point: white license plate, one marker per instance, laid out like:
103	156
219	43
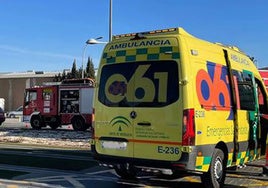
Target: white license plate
114	145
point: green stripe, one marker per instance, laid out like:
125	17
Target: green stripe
165	49
111	60
121	53
131	58
153	56
206	160
199	167
104	55
175	55
142	51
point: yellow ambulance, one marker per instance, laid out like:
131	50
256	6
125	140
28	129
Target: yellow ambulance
167	102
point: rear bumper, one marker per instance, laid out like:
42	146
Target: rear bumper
186	162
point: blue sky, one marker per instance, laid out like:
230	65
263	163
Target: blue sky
47	35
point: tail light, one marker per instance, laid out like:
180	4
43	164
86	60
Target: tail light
93	124
188	128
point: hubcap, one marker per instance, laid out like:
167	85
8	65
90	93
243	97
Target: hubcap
36	123
218	168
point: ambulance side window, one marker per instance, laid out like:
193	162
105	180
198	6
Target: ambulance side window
245	90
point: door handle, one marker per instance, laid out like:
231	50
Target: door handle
144	123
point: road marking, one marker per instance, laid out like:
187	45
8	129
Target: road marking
100	172
190	179
74	182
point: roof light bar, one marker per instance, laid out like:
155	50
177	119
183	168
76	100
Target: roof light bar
146	33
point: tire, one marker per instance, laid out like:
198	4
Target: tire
12	116
216	174
54	126
125	171
88	126
54	123
36	122
78	124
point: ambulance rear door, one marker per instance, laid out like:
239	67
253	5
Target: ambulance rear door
156	112
142	114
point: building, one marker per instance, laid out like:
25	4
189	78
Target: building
14	84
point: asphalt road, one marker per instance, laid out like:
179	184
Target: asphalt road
30	166
67	168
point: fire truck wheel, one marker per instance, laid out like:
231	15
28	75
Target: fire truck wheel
36	122
78	124
54	123
54	126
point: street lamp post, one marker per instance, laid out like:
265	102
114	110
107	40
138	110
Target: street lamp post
110	21
95	41
83	57
89	41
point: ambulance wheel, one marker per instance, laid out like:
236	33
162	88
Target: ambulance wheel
125	171
216	174
36	122
79	124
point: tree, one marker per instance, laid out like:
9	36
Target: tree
90	72
74	73
64	76
57	78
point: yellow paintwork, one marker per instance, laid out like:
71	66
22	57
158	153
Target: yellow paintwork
193	57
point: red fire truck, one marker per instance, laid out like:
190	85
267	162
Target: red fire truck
264	75
69	102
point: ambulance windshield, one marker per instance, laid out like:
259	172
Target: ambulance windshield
139	84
